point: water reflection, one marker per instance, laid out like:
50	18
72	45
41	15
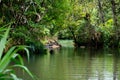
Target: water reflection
75	64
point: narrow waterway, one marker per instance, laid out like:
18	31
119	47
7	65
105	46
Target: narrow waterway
68	63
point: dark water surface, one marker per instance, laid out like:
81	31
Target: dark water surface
75	64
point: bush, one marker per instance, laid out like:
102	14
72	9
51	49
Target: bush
35	47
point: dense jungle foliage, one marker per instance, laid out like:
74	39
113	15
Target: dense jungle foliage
88	22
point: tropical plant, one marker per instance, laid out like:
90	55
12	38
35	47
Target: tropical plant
6	72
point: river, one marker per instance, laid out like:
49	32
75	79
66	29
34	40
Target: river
69	63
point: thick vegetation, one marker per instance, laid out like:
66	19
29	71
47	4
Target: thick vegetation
88	23
93	23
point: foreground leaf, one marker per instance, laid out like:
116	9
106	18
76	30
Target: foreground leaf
3	42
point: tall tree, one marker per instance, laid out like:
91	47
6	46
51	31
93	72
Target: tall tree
113	5
114	12
101	11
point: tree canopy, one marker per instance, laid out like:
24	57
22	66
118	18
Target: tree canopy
85	21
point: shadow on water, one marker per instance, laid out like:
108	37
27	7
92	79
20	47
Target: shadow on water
75	64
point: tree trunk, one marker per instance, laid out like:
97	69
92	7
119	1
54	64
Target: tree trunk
115	18
114	13
113	5
101	12
72	32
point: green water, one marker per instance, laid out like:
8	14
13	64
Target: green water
68	63
66	43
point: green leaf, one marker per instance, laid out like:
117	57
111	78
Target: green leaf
14	76
24	68
6	59
7	71
27	52
19	57
3	42
10	54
